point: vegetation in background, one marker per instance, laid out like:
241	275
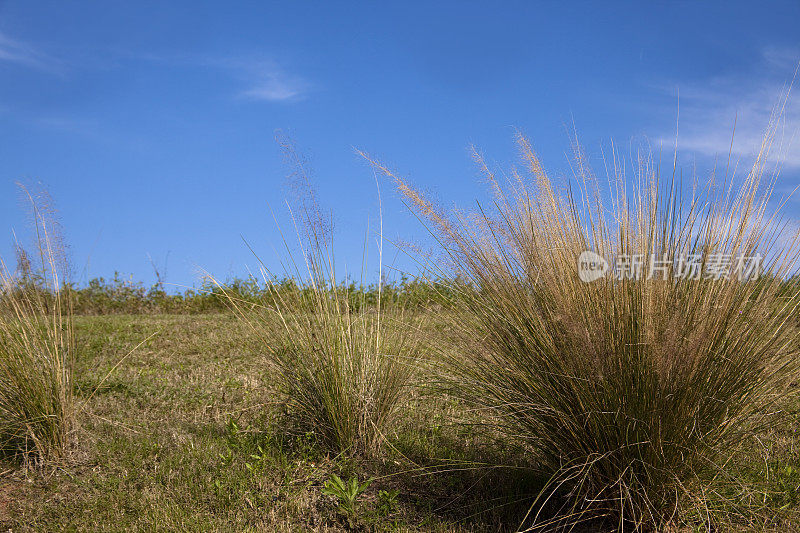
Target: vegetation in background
626	392
36	348
124	296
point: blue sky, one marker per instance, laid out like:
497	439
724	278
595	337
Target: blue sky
152	124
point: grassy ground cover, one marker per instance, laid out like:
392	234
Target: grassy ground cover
185	434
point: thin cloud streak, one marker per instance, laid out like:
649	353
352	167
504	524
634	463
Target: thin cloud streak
262	79
267	81
20	53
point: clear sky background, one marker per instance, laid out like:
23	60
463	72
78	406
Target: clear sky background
152	123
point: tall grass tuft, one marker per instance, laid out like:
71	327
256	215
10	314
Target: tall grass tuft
624	391
36	349
344	363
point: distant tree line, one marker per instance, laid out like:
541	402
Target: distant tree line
118	295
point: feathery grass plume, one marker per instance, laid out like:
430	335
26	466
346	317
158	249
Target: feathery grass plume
623	390
36	346
344	364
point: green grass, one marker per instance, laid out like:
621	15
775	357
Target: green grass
185	434
165	443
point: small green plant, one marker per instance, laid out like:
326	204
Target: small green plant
257	460
787	487
346	493
387	501
226	458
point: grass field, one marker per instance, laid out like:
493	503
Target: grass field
185	434
178	437
509	393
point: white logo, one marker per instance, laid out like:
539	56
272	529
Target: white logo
591	266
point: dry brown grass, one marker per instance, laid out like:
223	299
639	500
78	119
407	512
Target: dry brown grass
345	365
625	391
36	349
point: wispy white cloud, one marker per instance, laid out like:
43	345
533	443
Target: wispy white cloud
259	79
266	80
20	53
784	58
66	123
739	109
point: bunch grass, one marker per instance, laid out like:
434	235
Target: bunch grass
36	349
627	393
346	363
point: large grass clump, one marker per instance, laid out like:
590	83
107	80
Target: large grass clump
623	390
36	351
